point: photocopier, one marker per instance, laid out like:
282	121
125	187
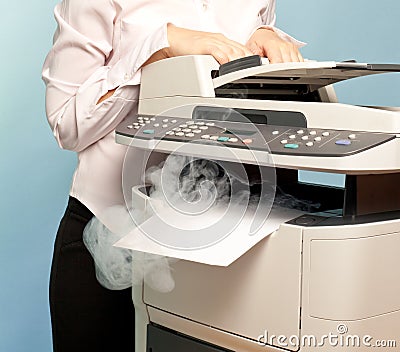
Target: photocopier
324	280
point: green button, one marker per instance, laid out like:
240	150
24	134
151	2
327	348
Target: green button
291	146
223	139
148	131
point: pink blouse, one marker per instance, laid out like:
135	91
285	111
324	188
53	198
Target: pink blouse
100	45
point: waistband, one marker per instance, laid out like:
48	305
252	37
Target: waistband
76	207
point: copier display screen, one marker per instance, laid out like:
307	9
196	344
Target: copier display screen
262	117
240	132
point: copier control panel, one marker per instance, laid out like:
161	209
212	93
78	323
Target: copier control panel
269	138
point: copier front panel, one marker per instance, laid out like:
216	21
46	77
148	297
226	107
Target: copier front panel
332	270
293	140
260	291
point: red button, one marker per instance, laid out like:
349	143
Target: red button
247	141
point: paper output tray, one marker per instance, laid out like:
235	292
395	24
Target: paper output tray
162	234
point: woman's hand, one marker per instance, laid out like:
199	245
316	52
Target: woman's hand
189	42
265	42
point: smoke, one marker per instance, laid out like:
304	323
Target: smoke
180	183
119	268
188	186
113	265
287	200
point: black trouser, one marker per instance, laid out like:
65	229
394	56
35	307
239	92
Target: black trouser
85	316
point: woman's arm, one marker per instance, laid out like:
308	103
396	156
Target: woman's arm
86	98
267	43
189	42
184	41
271	42
77	76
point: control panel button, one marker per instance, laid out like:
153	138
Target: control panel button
292	136
196	131
318	139
309	144
189	134
129	127
214	138
291	146
179	134
148	131
233	140
300	132
210	124
325	134
223	139
205	136
184	125
156	125
247	141
164	126
284	141
275	133
203	128
343	142
313	133
352	136
177	129
165	120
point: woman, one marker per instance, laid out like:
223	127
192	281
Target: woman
92	76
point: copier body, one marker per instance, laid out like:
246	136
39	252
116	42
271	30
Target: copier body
326	281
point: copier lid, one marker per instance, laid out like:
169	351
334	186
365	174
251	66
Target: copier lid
313	73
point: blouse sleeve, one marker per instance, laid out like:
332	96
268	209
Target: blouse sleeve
76	73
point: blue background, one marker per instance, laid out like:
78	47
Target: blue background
35	174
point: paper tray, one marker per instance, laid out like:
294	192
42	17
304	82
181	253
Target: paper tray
157	236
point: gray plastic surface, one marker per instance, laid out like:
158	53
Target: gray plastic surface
163	340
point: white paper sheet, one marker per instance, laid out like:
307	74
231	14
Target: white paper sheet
204	243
